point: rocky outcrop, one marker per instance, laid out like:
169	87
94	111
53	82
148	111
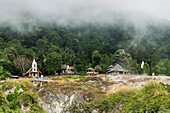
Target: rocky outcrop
60	103
54	102
12	90
132	80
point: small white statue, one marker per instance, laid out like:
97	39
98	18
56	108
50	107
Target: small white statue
142	64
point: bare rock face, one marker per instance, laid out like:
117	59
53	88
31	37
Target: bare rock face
133	80
54	102
10	90
60	103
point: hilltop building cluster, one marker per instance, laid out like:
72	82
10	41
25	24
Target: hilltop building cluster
70	70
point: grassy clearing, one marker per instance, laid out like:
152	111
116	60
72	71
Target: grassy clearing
123	90
70	77
24	83
162	75
66	87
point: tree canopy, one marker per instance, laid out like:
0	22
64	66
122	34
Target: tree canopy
85	46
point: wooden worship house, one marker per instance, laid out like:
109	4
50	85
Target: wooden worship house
33	71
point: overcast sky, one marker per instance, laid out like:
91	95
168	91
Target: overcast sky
83	11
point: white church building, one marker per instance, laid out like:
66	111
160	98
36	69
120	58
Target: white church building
33	71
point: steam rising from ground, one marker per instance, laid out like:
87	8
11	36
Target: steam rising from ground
79	12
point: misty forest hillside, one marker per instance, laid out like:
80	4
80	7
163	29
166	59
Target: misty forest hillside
91	56
85	46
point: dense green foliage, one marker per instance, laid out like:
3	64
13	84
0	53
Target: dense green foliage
53	61
153	97
4	74
87	46
4	104
15	101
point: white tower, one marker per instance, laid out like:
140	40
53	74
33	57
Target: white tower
34	68
142	64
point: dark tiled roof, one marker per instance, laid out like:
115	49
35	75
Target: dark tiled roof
111	66
118	68
90	69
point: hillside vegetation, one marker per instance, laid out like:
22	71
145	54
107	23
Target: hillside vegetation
152	97
83	47
16	97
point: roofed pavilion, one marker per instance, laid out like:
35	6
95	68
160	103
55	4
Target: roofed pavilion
117	69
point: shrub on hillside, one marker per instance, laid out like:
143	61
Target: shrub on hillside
10	83
14	101
152	97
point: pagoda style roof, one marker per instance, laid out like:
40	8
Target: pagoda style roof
90	68
119	68
111	66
